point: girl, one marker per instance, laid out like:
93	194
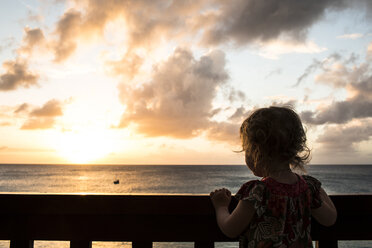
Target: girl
276	210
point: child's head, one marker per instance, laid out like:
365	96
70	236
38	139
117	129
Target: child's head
274	137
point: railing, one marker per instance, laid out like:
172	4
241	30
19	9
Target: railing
144	219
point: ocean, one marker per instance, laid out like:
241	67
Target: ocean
164	179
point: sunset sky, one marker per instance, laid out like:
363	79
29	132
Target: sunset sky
169	82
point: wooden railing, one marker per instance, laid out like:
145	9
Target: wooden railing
143	219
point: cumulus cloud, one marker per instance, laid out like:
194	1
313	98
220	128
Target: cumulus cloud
33	37
345	138
339	112
43	117
17	74
357	80
177	101
49	109
128	66
44	123
215	22
67	30
243	21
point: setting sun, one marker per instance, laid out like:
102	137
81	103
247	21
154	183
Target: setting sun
81	147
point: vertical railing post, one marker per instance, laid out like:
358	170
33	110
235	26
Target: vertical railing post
81	243
141	244
21	243
204	244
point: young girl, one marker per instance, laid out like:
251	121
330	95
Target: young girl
276	210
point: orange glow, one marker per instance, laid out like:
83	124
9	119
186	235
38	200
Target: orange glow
80	147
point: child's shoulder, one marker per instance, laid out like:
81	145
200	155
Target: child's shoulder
311	180
250	187
313	183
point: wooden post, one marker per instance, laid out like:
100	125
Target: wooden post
208	244
21	243
80	243
141	244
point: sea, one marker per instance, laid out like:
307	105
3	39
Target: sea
164	179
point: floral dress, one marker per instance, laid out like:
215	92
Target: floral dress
283	212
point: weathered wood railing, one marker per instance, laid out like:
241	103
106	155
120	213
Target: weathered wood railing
144	219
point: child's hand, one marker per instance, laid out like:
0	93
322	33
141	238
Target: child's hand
220	197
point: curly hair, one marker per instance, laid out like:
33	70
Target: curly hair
274	134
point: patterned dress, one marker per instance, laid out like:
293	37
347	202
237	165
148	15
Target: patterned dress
283	212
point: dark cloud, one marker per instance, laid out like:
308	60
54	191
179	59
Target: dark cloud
339	112
239	115
216	22
243	21
177	101
341	138
17	74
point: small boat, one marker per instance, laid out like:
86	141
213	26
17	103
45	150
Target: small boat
116	181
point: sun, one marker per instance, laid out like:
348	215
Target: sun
84	146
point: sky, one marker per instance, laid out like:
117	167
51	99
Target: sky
170	82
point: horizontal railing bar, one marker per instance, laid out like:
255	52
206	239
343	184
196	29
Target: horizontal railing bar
148	218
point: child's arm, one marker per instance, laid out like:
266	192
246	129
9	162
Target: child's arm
326	214
231	224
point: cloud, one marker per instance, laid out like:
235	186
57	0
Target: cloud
317	65
339	112
17	75
277	71
32	38
22	108
369	49
357	80
344	138
224	131
177	102
207	22
67	31
49	109
43	117
353	36
245	21
5	123
128	66
44	123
